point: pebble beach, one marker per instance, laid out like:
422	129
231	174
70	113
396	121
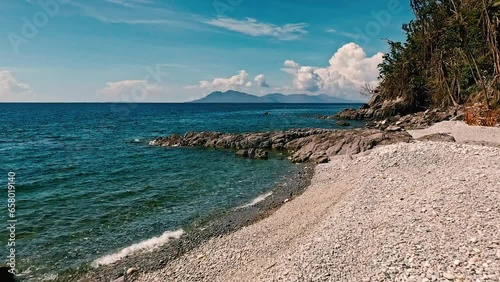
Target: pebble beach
419	211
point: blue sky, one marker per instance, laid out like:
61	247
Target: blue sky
173	50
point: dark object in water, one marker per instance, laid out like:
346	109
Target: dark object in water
343	123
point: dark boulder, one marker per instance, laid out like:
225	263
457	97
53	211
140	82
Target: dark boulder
437	137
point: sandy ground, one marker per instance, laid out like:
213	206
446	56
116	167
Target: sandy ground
462	132
423	211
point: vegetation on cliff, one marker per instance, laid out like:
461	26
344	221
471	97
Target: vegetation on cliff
451	56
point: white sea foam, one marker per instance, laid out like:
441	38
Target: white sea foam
144	246
256	200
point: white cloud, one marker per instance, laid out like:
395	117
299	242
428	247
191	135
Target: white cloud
346	34
12	90
131	90
238	81
261	81
140	12
136	22
349	69
290	66
129	3
307	79
255	28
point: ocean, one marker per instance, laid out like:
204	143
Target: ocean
90	190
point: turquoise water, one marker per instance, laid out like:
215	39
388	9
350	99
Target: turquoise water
88	184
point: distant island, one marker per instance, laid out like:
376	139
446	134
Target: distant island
240	97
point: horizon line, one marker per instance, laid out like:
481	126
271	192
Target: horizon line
153	102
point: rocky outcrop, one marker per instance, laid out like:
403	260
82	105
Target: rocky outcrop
303	145
211	139
376	108
322	147
398	111
418	120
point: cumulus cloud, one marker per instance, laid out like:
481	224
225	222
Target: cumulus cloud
238	81
291	64
12	90
252	27
131	90
348	70
261	81
307	79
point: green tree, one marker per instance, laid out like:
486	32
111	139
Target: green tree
450	56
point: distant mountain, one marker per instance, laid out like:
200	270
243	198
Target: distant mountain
240	97
229	97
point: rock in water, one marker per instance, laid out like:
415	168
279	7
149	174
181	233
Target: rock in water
253	153
315	145
261	154
343	123
242	153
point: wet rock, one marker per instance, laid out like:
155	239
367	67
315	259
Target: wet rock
261	154
253	153
242	153
343	123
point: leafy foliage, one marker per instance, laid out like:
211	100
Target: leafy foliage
451	55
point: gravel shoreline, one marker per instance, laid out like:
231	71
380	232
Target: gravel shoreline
423	211
196	235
